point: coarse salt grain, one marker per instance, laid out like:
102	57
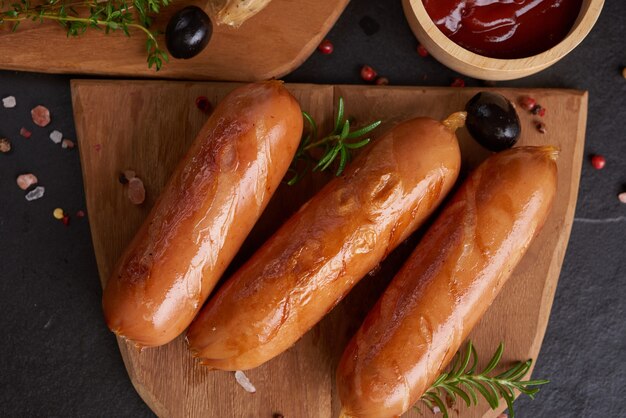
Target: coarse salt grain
56	136
40	115
67	143
35	194
5	145
9	102
622	197
136	192
129	174
244	382
24	181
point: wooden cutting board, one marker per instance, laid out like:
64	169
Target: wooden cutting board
270	44
147	126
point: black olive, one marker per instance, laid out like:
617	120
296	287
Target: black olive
188	32
493	121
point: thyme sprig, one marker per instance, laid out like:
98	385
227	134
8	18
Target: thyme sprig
333	145
77	17
466	383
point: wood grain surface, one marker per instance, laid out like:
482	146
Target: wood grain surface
270	44
147	126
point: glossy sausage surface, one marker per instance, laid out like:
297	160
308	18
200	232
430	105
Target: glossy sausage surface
204	213
447	284
323	250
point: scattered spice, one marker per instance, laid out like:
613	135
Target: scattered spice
5	145
368	74
326	47
58	213
80	214
458	82
25	133
536	109
382	81
65	220
527	103
67	143
422	51
56	136
136	191
203	103
598	162
24	181
9	102
244	382
622	197
97	147
36	193
40	115
541	127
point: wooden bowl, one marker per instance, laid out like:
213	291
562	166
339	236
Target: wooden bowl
466	62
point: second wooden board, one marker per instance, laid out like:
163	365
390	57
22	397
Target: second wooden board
122	125
270	44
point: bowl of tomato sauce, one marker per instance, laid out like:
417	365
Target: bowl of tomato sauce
501	39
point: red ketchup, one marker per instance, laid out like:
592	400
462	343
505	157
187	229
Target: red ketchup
504	28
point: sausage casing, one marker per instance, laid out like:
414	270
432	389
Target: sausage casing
447	284
323	250
210	204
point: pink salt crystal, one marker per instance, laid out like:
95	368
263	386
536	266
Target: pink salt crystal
136	191
25	133
41	116
129	174
24	181
67	143
622	197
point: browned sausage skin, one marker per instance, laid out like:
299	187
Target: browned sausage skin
447	284
323	250
204	213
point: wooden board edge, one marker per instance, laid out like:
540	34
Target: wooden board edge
77	113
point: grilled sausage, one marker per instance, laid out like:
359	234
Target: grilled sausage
447	284
323	250
203	215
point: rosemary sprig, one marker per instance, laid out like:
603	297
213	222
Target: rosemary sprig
333	145
79	16
467	383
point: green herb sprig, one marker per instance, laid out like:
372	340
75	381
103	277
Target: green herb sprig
77	17
333	145
466	383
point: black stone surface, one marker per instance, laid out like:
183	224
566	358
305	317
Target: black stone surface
58	359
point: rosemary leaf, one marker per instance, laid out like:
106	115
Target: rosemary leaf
463	382
331	146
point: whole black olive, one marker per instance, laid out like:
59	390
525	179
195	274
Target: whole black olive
188	32
493	121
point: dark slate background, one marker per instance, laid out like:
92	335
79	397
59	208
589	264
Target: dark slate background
58	359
